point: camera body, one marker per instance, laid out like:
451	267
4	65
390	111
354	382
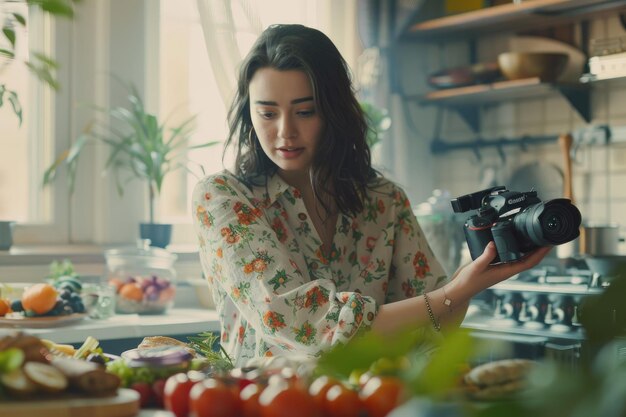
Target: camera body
517	222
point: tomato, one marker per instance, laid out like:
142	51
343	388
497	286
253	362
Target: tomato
341	401
176	392
213	398
319	387
287	400
249	398
146	396
381	394
158	389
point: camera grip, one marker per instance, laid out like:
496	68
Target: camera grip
477	239
506	243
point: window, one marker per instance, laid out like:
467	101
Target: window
14	158
26	149
104	38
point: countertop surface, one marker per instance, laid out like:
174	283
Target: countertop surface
176	321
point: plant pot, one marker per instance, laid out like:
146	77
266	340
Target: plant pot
159	234
6	234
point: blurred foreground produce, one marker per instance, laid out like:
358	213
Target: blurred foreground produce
33	368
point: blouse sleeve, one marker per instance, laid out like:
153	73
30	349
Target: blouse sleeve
265	278
415	269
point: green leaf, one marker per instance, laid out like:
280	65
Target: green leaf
441	372
50	173
43	73
9	33
20	19
360	352
46	60
15	104
56	7
8	53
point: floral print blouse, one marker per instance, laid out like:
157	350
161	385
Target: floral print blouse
276	292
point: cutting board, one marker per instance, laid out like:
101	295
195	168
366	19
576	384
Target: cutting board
124	404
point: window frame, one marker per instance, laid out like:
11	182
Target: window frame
47	136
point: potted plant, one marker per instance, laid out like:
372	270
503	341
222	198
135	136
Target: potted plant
378	121
142	147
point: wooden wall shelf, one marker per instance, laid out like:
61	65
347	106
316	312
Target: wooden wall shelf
510	17
465	100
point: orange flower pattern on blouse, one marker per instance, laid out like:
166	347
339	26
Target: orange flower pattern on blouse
275	290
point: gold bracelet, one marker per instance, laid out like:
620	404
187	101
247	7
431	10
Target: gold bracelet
436	325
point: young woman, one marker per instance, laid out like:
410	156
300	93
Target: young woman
305	244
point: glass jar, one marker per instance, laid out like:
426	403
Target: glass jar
143	277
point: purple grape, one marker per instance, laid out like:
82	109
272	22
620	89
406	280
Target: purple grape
152	293
145	283
163	283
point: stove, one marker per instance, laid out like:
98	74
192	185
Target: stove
534	314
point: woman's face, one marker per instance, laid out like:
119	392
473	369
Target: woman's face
285	119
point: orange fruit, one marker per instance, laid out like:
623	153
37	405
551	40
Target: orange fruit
5	307
131	292
117	283
39	298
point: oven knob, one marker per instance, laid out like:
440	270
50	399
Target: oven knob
525	313
503	310
575	320
553	315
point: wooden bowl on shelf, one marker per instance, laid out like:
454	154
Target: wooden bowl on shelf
547	66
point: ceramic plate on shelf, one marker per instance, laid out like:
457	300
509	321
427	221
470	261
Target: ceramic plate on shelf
19	320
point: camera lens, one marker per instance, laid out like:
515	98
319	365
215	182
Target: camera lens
551	223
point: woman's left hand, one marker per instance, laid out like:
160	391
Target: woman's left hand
480	274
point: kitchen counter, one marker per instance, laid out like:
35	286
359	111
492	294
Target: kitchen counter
177	321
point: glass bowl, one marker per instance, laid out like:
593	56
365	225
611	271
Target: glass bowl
143	277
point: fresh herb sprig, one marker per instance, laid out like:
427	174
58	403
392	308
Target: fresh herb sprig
60	269
205	344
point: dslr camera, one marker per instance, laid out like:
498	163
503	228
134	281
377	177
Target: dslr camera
517	222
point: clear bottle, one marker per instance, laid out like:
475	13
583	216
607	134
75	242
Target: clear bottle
143	277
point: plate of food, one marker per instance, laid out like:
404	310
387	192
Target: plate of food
20	320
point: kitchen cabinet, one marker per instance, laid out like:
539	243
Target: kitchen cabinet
509	18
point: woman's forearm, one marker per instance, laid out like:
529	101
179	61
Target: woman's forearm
468	281
413	312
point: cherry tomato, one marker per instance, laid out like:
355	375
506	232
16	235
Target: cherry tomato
213	398
158	389
146	396
341	401
287	400
381	394
249	398
319	387
176	392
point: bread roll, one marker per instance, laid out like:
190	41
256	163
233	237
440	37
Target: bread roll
497	379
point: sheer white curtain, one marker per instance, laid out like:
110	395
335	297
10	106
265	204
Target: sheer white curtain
230	28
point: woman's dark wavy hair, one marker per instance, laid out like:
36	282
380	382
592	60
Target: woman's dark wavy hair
342	165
